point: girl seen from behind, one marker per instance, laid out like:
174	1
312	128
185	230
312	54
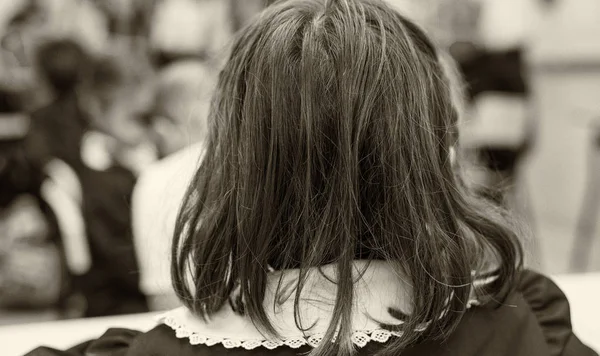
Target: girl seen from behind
327	216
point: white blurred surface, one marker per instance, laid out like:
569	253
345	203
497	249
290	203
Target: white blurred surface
556	173
508	24
498	120
187	26
156	201
20	339
564	63
583	293
568	32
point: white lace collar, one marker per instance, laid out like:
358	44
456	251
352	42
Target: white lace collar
376	289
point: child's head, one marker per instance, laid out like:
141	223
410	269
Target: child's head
183	93
118	96
330	139
63	64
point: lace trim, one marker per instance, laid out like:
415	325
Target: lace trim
359	338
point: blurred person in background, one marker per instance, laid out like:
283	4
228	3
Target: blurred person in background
31	23
58	128
178	122
32	273
488	39
490	53
116	97
92	135
181	103
80	20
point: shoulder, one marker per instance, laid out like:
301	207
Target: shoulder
160	341
168	178
533	321
169	168
551	308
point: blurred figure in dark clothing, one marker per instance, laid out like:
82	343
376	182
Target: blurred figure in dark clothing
111	286
58	128
92	100
32	269
115	98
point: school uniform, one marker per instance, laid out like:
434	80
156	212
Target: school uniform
533	321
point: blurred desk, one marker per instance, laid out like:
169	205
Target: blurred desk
20	339
582	290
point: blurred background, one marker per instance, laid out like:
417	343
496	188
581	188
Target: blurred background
102	108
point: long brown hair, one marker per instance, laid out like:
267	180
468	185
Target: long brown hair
331	131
